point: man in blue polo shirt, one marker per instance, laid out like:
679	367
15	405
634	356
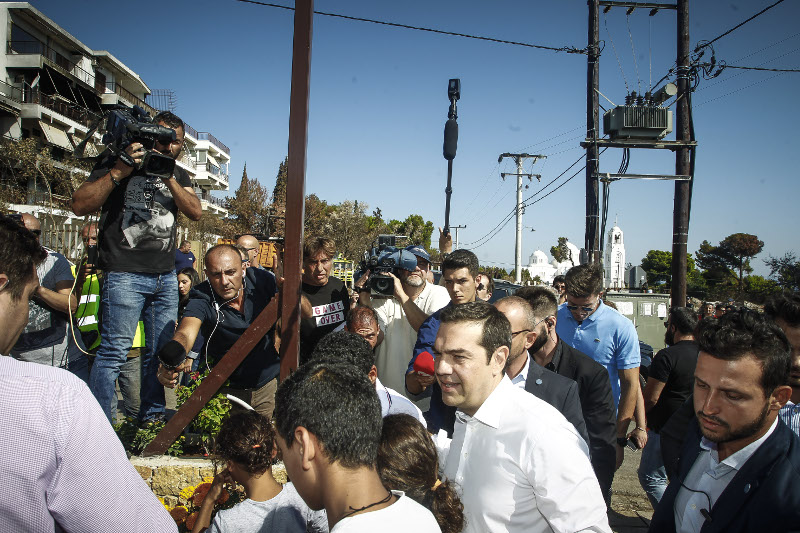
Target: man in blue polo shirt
609	338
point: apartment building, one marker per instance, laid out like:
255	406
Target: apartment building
52	87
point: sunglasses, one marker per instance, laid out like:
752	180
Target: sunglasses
588	309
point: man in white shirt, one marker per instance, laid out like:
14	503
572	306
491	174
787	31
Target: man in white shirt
520	465
401	315
328	422
742	475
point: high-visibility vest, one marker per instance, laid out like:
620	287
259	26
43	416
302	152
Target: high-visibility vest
89	310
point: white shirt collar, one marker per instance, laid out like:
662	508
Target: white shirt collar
494	406
520	379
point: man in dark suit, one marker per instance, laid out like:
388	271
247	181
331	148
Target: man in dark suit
558	391
744	473
594	388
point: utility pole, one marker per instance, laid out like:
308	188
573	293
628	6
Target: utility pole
592	237
680	217
518	158
457	228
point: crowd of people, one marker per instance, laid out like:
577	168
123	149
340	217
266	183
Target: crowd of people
428	409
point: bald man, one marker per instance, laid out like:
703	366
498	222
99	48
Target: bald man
223	307
48	337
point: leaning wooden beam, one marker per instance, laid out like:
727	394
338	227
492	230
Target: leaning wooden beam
216	379
295	186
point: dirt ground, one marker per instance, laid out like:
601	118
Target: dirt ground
630	509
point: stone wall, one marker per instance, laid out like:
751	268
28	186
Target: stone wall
167	476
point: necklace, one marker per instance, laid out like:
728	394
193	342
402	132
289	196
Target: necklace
354	511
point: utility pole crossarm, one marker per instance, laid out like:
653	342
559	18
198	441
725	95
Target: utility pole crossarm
518	158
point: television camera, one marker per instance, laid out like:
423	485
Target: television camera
125	126
382	258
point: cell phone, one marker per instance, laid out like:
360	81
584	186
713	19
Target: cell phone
91	255
631	444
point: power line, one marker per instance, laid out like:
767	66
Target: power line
707	43
567	49
764	69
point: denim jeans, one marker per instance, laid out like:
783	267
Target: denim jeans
126	298
129	381
652	475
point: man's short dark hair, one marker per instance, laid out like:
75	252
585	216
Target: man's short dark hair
786	307
361	314
20	254
170	119
338	405
583	281
496	328
314	245
542	299
684	320
345	347
558	279
490	283
748	333
462	258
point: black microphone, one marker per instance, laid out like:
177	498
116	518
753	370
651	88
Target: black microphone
450	139
172	355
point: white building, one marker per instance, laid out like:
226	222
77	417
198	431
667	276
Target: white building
539	266
52	86
614	260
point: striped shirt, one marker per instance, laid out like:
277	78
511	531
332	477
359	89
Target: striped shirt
790	414
63	467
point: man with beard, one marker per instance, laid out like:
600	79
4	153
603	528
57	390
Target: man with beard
668	386
740	462
558	391
784	309
594	389
401	316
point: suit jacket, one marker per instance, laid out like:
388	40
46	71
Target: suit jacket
597	406
764	495
558	391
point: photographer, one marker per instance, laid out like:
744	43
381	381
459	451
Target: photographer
401	315
136	245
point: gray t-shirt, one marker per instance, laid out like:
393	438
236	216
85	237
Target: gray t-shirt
47	338
286	512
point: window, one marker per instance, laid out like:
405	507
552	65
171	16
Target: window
99	82
201	156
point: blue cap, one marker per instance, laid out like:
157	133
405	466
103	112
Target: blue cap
419	251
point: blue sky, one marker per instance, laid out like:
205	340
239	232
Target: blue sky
379	103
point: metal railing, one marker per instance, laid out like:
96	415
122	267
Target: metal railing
53	56
115	87
187	160
205	136
9	91
68	109
211	169
189	130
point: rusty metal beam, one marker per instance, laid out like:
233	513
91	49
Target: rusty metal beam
216	379
295	186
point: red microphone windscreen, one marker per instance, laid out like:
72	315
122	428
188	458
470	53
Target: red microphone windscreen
424	363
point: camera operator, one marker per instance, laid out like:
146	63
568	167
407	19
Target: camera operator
401	315
136	244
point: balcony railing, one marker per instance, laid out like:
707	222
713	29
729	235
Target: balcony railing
205	136
38	48
130	97
208	167
66	108
187	160
189	130
9	91
206	196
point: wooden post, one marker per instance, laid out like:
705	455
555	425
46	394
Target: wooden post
295	187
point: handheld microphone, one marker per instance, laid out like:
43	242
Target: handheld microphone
423	364
172	355
450	139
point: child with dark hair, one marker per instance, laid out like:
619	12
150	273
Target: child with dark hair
246	443
407	461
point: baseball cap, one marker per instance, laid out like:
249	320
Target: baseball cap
419	251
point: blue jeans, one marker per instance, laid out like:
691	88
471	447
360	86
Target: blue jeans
126	298
652	475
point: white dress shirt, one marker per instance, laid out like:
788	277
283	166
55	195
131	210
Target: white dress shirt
522	378
522	467
708	478
393	403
